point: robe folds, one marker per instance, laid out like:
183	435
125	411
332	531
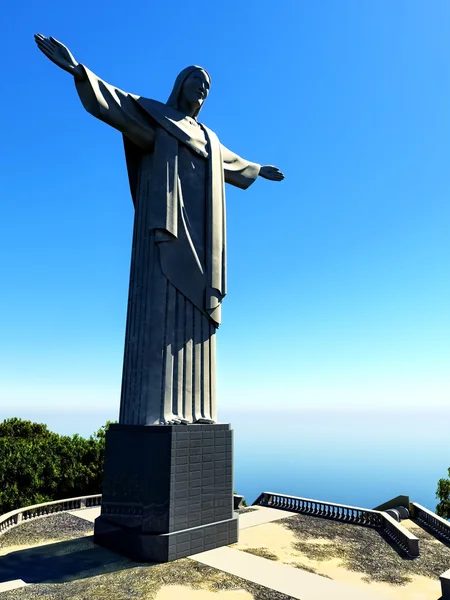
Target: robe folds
177	169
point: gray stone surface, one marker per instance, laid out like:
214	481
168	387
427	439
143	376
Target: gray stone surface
165	547
168	491
177	168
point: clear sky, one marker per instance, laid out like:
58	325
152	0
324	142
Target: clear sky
338	281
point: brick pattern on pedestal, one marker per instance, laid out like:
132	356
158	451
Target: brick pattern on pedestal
168	491
201	479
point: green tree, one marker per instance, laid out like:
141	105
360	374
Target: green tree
37	465
443	494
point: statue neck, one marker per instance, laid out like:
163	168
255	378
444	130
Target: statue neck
188	108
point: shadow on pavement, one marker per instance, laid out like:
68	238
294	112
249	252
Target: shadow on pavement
62	561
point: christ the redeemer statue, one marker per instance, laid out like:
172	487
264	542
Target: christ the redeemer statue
177	168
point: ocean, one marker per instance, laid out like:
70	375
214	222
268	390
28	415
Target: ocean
359	458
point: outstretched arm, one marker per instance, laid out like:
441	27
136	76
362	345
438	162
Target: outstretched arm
102	100
242	173
272	173
60	55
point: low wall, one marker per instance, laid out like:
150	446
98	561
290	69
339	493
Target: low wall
15	517
342	512
438	525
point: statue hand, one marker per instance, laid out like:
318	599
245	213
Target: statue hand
272	173
56	52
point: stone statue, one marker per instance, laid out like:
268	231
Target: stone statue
177	168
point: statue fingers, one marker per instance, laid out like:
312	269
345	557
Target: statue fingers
40	42
43	42
277	173
45	50
55	41
45	45
40	39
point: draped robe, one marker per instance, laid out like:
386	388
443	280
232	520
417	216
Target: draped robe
177	169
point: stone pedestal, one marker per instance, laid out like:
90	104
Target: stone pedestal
167	491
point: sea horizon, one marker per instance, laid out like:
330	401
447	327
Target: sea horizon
355	457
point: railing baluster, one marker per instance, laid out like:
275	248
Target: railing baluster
438	525
37	511
354	515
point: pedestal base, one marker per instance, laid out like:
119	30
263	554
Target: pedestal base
164	547
167	491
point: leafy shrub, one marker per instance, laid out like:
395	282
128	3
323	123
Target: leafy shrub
443	494
37	465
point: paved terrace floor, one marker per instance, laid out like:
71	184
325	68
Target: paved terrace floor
279	556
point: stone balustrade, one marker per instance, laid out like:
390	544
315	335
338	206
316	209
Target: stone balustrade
400	535
15	517
330	510
438	525
341	512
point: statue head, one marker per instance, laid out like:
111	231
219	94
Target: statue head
192	87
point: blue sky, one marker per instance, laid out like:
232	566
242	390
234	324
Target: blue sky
338	281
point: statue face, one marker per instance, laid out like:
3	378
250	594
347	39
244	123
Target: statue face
196	87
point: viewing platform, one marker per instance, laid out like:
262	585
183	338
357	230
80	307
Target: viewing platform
288	548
